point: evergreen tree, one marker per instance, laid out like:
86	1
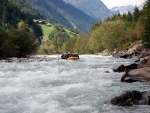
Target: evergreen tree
129	17
17	32
146	35
136	13
124	17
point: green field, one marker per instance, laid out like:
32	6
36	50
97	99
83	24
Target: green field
46	31
47	47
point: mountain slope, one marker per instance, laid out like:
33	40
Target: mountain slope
11	15
26	8
60	12
18	32
95	8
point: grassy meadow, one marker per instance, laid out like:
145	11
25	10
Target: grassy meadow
47	46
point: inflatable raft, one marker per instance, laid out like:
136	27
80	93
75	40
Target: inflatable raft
71	56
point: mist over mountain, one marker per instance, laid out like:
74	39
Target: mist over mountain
95	8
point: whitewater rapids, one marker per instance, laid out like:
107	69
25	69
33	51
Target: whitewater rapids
62	86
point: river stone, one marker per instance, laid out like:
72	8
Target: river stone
122	68
144	54
142	74
130	98
144	62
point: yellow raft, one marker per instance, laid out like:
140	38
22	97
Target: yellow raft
73	58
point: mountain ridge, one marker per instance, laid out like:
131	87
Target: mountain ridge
124	9
60	12
99	11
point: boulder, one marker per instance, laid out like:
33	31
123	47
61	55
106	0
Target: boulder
130	98
144	53
116	55
133	51
141	75
105	53
126	55
144	62
122	68
138	48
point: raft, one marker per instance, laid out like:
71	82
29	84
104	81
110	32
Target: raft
72	56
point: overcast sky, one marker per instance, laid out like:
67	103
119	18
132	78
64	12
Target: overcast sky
112	3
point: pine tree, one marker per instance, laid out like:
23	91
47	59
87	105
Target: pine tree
136	13
124	17
129	17
146	35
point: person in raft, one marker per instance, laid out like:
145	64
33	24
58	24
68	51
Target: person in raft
65	55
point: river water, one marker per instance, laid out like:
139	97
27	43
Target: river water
60	86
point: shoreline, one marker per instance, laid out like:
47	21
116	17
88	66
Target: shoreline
31	58
40	58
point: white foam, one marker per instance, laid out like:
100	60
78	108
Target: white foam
59	86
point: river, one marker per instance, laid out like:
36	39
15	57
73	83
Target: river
62	86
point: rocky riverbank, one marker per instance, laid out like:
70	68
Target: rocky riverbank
137	72
38	58
130	98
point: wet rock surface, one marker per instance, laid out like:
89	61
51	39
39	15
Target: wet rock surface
144	62
141	75
137	72
130	98
137	50
122	67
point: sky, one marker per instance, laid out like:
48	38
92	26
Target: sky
112	3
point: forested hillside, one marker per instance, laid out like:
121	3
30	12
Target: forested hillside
114	34
18	32
146	21
10	17
56	39
118	33
26	8
59	12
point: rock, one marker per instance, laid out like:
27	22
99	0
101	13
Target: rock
133	51
141	75
121	68
130	98
125	56
144	62
107	72
104	53
128	67
144	54
137	50
116	55
137	47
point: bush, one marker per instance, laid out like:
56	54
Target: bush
16	43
